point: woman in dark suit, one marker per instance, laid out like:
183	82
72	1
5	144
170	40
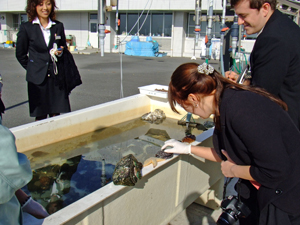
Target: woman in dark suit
254	139
40	43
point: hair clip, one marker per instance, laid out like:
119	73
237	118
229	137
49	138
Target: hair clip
205	68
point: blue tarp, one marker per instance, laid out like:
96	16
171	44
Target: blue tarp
142	48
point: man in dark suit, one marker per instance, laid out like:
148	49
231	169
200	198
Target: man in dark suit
275	58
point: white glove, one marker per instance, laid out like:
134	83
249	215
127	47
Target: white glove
35	209
177	147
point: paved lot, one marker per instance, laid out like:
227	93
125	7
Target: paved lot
101	77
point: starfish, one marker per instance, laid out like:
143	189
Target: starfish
152	160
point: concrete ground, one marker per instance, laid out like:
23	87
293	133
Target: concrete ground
196	214
101	77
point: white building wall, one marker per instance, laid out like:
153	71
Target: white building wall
189	48
12	5
75	16
77	5
217	5
77	25
178	34
182	5
3	28
156	4
7	18
7	33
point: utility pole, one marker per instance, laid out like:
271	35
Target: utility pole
197	25
209	28
101	24
224	29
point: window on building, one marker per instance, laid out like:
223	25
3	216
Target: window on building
123	24
93	16
15	24
203	25
94	28
17	19
168	25
144	25
132	27
24	18
155	24
191	25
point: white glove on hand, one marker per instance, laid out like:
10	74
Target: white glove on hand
177	147
35	209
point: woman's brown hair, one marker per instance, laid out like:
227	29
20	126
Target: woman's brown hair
186	80
31	9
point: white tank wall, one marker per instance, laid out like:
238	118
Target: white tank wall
79	122
158	197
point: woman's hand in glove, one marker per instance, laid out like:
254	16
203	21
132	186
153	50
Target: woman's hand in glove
35	209
176	147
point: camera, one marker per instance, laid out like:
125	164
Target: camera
233	209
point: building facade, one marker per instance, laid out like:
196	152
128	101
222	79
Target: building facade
169	22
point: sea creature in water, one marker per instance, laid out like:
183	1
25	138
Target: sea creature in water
159	134
45	182
163	155
159	156
153	161
157	116
189	138
127	171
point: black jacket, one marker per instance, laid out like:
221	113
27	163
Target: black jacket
275	61
32	52
256	131
68	74
2	107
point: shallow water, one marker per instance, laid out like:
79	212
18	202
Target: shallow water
66	171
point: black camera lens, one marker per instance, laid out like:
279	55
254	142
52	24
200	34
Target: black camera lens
226	219
233	209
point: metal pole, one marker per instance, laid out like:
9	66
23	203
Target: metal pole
101	29
209	28
239	48
117	16
224	28
197	25
234	35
